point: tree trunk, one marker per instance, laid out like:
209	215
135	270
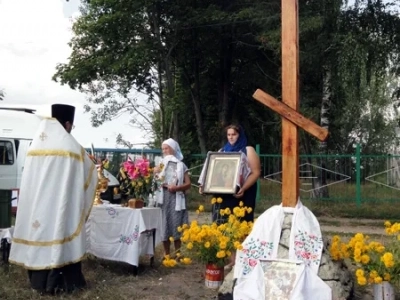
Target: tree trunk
224	80
196	97
320	190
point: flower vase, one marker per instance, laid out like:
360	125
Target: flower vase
214	276
383	291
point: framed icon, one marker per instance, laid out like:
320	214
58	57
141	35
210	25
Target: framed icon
170	176
222	172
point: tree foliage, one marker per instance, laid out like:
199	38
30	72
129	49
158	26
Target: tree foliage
197	63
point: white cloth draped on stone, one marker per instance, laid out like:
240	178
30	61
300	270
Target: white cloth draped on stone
57	192
244	170
305	246
180	175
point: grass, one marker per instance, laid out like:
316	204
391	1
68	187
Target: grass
114	280
377	202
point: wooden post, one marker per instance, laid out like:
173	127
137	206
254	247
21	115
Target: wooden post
290	96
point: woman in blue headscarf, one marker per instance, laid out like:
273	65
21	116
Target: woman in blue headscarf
237	142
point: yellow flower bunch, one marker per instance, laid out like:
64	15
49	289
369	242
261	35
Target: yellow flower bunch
213	243
375	261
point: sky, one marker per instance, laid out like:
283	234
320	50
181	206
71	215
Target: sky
33	39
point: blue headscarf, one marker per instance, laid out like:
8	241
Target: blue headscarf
240	144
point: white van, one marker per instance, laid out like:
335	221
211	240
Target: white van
17	128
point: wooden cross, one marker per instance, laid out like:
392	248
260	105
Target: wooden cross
288	109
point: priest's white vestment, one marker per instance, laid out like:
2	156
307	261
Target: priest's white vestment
57	192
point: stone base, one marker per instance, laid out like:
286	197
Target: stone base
334	273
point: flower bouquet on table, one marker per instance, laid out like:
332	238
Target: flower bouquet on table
212	243
137	177
375	261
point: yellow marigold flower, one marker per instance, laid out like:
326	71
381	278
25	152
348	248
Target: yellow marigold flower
378	279
178	254
165	263
222	245
201	208
380	248
213	200
169	262
219	200
370	280
179	229
249	210
387	224
359	236
387	259
373	274
365	259
236	211
171	239
189	245
221	254
227	211
361	280
185	226
241	203
207	244
389	230
359	272
386	277
186	260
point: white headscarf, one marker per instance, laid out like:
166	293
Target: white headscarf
175	146
177	157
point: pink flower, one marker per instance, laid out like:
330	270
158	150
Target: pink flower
252	262
306	255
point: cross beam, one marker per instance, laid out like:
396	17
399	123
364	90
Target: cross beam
291	119
291	115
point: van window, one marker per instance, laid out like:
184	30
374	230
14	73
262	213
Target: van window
6	153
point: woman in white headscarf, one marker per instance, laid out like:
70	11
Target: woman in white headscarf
170	196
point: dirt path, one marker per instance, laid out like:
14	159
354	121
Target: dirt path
328	225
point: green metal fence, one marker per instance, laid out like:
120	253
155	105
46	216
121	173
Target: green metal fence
355	178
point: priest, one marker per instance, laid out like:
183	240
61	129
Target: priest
57	192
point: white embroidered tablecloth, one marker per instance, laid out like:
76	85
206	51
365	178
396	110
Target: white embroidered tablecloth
6	233
121	234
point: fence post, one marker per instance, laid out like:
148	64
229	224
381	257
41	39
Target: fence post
258	180
358	175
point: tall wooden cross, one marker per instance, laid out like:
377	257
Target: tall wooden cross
289	106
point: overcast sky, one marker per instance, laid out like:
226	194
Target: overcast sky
33	39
